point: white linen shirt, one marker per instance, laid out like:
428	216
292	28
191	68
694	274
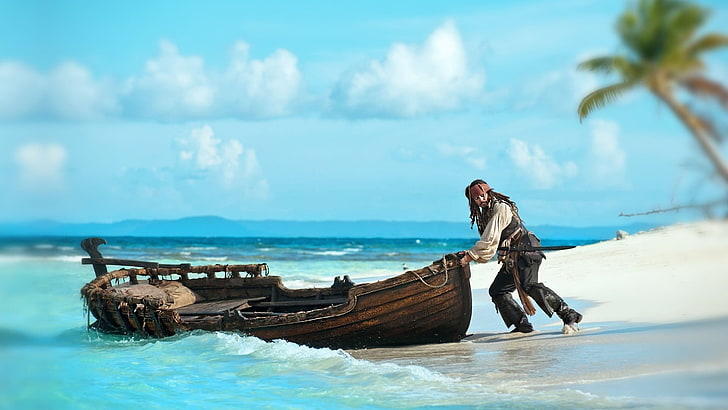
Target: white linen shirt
487	246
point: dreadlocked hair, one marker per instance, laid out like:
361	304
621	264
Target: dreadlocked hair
477	214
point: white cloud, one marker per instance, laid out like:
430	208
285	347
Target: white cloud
542	170
231	153
206	148
261	88
224	163
608	159
251	168
74	94
178	87
21	90
68	92
603	164
41	167
412	80
469	155
172	86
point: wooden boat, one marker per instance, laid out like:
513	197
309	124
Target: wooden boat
427	305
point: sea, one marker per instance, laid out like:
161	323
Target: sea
49	359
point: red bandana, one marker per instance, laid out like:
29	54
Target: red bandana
479	189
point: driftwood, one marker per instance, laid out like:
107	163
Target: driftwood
706	208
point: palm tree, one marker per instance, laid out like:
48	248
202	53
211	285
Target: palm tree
663	54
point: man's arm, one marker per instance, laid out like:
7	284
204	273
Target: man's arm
487	246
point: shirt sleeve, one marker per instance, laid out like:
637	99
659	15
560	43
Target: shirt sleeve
487	246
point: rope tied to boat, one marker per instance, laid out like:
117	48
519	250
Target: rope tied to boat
444	266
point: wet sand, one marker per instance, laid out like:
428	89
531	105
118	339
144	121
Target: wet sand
676	365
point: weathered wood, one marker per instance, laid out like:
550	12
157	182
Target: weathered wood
129	262
91	246
216	307
304	302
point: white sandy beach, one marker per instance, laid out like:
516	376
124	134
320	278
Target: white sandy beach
667	275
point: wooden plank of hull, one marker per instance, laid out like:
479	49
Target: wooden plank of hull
215	307
393	320
385	317
431	324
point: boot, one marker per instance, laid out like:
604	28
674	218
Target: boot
552	303
524	326
512	313
571	319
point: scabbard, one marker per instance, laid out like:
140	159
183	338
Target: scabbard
536	248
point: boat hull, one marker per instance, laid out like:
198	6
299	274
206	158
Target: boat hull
401	311
428	305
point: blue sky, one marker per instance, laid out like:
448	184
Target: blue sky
322	110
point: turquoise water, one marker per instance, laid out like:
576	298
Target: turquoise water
50	360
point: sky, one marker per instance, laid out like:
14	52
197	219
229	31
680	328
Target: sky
323	110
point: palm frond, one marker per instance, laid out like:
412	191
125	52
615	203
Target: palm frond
704	87
707	42
627	29
631	71
658	30
661	48
604	64
686	61
682	23
628	70
601	97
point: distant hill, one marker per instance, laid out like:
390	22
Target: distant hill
212	226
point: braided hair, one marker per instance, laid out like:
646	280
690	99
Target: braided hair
477	214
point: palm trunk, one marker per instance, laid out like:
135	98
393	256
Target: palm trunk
696	128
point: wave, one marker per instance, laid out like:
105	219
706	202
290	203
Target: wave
214	258
18	258
325	253
294	356
200	248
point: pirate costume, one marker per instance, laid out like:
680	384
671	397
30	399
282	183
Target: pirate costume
500	226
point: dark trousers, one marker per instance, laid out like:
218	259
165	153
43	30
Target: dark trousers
528	265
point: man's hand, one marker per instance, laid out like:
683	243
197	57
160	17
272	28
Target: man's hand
466	259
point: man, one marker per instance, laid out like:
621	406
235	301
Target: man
500	226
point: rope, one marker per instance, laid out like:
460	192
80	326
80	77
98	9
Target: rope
444	265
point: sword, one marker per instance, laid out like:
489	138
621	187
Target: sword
535	248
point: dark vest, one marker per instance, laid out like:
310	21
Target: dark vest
521	237
514	228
